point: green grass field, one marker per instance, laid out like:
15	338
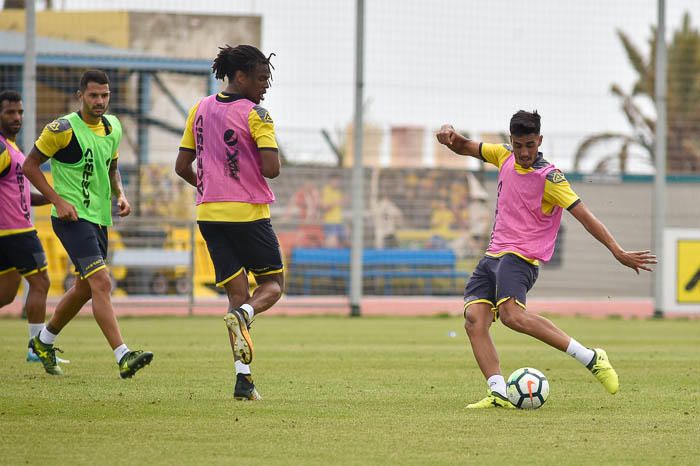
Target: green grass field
348	391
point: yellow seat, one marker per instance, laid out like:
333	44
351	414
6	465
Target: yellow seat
57	258
204	273
116	243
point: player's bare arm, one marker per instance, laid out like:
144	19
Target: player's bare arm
183	166
636	260
115	180
32	170
456	142
270	163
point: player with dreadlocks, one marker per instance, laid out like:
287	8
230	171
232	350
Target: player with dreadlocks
232	139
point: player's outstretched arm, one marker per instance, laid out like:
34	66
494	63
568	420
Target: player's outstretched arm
32	170
456	142
635	260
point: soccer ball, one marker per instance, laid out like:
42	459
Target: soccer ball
527	388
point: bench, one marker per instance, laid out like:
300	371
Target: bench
150	258
378	264
150	270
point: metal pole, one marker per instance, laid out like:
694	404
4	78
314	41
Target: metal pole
357	170
660	85
29	77
190	298
142	134
29	91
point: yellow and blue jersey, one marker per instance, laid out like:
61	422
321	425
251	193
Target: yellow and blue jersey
58	141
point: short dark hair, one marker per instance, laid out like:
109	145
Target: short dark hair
10	96
241	58
524	123
93	76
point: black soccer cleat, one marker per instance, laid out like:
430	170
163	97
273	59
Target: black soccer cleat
245	388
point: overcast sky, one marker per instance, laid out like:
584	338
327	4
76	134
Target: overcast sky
472	63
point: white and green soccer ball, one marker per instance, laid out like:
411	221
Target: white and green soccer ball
527	388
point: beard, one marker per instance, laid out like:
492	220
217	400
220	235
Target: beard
11	130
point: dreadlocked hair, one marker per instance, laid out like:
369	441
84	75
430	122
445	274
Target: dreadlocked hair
243	57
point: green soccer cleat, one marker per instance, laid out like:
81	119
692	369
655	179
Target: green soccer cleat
602	369
237	322
493	400
32	357
132	361
245	388
47	355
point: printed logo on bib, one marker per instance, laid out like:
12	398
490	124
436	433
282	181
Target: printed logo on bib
199	141
88	170
231	140
22	200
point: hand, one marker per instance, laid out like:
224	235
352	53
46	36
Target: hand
447	135
637	260
66	211
124	207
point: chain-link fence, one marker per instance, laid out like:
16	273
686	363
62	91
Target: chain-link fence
587	67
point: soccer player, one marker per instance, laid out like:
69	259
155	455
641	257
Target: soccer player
21	253
82	147
232	139
532	194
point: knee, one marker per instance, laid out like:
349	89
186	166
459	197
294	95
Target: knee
82	289
100	283
276	290
8	293
40	284
475	325
512	317
272	288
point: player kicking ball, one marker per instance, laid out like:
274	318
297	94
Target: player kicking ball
532	195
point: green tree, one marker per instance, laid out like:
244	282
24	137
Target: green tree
683	106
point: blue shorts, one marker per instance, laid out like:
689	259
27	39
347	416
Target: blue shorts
497	279
85	242
238	247
22	252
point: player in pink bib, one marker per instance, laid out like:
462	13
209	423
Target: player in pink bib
532	194
232	139
21	253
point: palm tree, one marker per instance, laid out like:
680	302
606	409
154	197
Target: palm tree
683	106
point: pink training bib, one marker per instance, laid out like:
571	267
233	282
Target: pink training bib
228	161
15	197
519	224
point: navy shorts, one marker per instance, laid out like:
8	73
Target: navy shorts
496	279
85	242
235	247
22	252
